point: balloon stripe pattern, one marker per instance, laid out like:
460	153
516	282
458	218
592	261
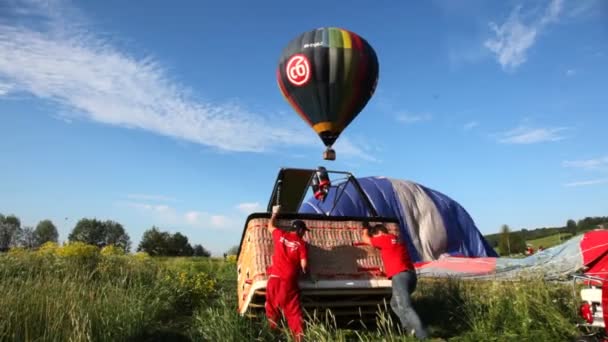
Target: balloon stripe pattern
432	224
328	76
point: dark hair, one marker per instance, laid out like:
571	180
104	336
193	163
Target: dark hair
299	226
373	230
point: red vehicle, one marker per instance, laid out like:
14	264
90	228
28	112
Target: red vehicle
593	309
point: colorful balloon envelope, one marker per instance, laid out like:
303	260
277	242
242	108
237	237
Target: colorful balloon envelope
328	75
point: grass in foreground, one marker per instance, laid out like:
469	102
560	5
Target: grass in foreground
84	295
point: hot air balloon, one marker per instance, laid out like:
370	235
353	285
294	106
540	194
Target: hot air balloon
328	75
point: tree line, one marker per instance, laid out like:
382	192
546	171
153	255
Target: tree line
512	242
97	233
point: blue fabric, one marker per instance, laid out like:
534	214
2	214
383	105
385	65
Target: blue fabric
380	192
463	236
464	239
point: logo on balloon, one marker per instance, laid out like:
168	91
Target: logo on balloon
298	69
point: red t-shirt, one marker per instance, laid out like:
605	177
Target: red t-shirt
394	254
289	249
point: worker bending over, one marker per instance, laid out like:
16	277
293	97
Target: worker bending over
400	269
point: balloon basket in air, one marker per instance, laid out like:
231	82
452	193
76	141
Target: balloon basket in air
329	154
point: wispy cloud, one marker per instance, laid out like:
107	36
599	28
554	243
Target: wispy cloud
5	88
588	164
570	72
470	125
159	208
90	78
193	217
514	37
583	8
346	147
587	182
203	219
249	207
167	215
146	197
528	135
219	221
410	118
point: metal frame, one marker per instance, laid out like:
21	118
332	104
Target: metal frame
325	287
592	330
276	191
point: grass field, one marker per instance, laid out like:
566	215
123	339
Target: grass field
77	293
549	241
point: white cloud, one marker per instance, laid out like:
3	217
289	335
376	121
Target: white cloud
146	197
470	125
168	215
220	221
527	135
5	88
584	7
162	208
588	182
92	79
159	208
409	118
346	147
514	37
588	164
570	72
249	207
553	12
193	217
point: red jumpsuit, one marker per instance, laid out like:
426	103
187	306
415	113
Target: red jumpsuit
282	291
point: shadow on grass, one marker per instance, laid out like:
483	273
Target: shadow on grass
161	334
440	305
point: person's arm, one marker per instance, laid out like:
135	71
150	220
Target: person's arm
365	236
273	219
304	258
304	265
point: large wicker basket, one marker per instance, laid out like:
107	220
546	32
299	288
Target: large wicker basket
338	261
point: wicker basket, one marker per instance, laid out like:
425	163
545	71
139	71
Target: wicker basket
335	252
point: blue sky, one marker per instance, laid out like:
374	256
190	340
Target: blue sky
170	115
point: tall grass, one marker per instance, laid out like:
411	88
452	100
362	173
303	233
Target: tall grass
452	309
76	293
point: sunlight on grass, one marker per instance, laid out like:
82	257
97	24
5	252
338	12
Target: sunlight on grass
76	293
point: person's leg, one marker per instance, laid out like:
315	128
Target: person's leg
293	310
396	293
272	310
402	303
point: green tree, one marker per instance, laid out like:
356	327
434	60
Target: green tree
27	238
100	234
10	232
158	243
179	245
12	220
199	250
504	244
572	227
517	243
45	231
154	242
115	235
234	250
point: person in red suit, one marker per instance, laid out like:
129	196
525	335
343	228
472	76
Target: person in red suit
289	258
399	268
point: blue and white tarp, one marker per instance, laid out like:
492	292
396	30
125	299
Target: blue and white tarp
431	223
